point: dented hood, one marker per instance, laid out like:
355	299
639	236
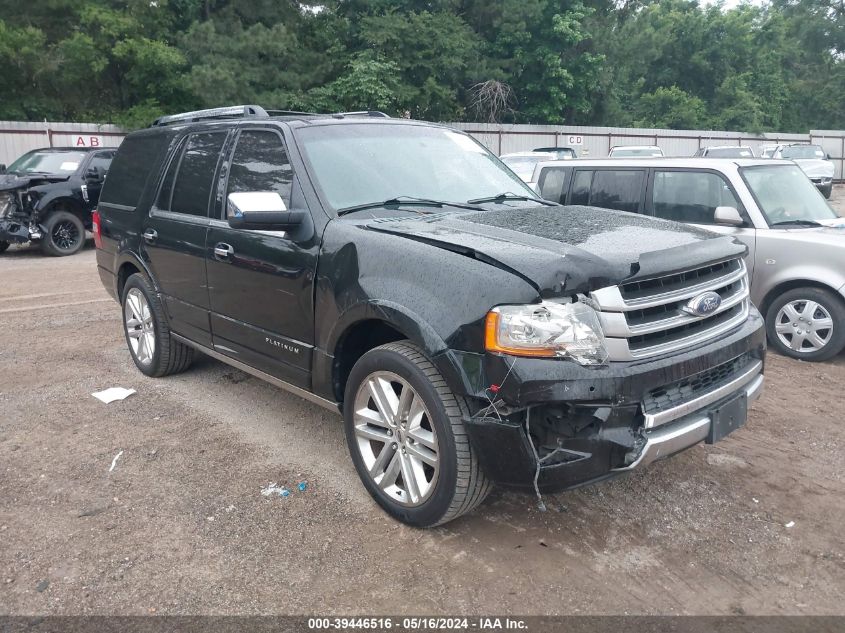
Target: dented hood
564	250
11	182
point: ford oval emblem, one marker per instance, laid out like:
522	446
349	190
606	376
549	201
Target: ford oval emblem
703	305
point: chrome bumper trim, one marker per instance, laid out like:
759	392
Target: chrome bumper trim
674	438
660	418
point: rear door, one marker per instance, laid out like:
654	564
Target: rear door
553	183
173	235
93	186
261	282
619	189
691	196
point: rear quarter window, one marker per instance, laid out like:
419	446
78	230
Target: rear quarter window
129	171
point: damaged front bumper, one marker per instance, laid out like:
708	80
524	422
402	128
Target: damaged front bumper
18	231
559	425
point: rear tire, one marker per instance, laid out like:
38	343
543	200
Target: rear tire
153	349
807	323
827	191
64	234
421	437
3	246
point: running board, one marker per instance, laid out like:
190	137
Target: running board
297	391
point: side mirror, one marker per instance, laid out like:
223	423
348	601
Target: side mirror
95	173
729	216
2	168
260	211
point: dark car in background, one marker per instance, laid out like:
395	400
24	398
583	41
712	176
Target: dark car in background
47	196
395	271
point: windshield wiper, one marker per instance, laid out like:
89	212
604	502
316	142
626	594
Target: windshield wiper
797	223
405	200
502	197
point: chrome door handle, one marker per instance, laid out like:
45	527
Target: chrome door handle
223	251
150	235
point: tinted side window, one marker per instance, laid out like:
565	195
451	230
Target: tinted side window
620	190
552	183
260	163
192	188
131	167
166	191
101	160
690	196
581	187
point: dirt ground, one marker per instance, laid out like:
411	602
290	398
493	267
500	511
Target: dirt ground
751	525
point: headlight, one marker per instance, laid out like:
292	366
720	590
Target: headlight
547	330
5	204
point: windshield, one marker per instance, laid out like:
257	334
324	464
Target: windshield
523	166
730	152
626	152
45	162
362	163
785	194
803	151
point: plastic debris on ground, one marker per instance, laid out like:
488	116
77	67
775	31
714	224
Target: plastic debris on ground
112	394
114	461
790	524
275	489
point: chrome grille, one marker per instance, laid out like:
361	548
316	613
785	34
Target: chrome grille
645	318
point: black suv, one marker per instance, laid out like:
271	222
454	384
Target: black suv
396	271
47	195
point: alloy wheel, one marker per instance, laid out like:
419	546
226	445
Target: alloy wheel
396	439
140	329
65	235
804	326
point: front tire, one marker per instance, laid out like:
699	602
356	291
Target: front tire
155	352
64	234
407	440
3	246
807	323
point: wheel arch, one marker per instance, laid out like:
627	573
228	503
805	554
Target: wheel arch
792	284
61	201
367	326
126	265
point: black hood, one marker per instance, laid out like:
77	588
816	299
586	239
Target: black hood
10	182
563	250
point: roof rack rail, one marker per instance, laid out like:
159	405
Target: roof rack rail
290	113
370	113
212	113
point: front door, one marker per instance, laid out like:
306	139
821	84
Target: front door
174	234
261	282
101	161
691	196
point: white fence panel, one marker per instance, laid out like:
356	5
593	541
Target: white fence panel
597	141
18	137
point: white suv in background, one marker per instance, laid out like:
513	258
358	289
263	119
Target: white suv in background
635	151
813	161
796	242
